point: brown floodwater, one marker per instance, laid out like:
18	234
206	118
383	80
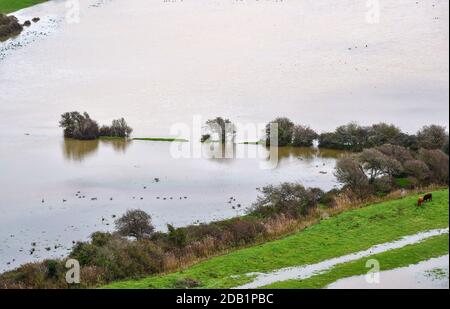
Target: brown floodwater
158	63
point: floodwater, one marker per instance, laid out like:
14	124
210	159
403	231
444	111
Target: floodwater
159	63
306	271
429	274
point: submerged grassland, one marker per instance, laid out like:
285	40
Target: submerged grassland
8	6
342	234
411	254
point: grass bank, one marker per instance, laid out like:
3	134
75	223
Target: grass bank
8	6
411	254
342	234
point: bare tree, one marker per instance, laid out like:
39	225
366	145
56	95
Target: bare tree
417	169
437	162
303	136
79	126
396	152
432	137
376	164
350	173
224	129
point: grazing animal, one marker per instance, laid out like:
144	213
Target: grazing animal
428	197
420	201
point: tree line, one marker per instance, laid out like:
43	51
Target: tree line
350	137
354	137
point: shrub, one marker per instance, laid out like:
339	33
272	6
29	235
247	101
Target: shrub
135	223
437	162
417	169
376	164
328	198
382	133
9	25
118	128
79	126
176	236
290	199
245	231
399	153
383	185
351	174
222	128
285	131
303	136
432	137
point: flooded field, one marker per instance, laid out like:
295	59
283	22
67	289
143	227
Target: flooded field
306	271
157	63
430	274
55	191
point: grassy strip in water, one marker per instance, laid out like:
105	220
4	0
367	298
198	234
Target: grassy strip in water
113	138
402	257
160	139
8	6
345	233
252	143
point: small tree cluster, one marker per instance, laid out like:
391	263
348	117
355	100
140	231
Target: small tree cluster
356	138
290	199
219	128
291	134
376	169
9	25
135	223
81	126
118	128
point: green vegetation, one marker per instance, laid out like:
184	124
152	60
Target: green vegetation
345	233
403	182
412	254
83	127
8	6
160	139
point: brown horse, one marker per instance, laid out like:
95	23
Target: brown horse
420	201
428	197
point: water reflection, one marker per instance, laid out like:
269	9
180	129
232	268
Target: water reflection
221	153
77	150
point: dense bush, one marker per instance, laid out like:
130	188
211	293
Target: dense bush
380	169
350	173
356	138
290	199
377	164
9	25
118	128
437	162
432	137
285	131
79	126
135	223
222	129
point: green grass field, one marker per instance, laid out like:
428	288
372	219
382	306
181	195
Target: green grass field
8	6
412	254
345	233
